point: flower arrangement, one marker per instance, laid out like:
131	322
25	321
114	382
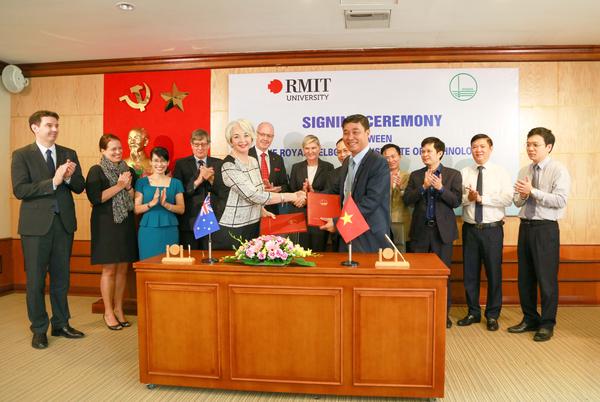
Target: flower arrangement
270	250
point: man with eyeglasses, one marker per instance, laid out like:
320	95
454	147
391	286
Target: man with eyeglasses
434	191
272	168
541	192
197	173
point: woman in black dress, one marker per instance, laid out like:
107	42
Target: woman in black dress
109	187
309	175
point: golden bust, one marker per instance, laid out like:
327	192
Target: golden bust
138	160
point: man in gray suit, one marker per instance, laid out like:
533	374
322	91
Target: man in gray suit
44	175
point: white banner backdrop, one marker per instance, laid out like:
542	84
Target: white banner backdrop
403	107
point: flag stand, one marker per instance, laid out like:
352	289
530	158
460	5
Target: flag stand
210	259
349	262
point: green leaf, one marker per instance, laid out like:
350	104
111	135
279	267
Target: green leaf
302	262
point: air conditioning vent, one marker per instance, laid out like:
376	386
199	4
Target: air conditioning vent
360	19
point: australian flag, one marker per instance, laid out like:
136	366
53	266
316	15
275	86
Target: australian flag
206	222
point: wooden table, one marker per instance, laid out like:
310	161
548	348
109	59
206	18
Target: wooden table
319	330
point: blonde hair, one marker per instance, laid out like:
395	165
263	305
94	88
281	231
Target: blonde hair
244	124
310	138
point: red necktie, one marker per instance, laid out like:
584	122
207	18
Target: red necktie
264	170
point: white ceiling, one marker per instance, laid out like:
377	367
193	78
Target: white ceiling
38	31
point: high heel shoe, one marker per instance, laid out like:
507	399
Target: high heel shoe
117	327
124	324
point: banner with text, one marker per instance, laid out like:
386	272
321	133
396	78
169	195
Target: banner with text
403	107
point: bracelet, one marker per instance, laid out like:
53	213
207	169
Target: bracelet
168	207
148	205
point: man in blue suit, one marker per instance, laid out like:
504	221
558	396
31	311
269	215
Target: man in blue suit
434	191
365	175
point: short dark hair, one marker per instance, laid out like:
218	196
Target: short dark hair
338	141
199	134
482	136
388	146
105	139
161	152
36	118
437	144
545	134
357	118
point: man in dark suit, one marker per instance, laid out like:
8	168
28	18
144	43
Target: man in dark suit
197	173
434	191
365	175
272	168
341	151
44	175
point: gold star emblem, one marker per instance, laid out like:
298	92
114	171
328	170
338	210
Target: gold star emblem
347	218
174	98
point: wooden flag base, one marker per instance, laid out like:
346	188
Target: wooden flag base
174	255
388	258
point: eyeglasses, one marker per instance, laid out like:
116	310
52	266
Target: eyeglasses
534	145
266	135
200	144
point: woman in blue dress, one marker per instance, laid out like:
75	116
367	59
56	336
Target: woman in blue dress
159	197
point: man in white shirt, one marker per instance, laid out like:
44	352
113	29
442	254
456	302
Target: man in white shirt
487	191
272	167
541	191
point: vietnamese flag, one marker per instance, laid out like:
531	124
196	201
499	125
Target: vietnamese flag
351	223
168	121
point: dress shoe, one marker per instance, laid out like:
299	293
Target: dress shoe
67	331
124	324
543	334
39	341
521	327
468	320
448	322
116	327
492	324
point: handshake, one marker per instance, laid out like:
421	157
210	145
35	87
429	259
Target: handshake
298	198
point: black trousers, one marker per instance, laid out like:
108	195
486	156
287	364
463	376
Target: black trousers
483	246
314	239
50	253
223	240
538	252
187	237
430	242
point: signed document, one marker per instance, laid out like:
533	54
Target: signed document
283	224
322	206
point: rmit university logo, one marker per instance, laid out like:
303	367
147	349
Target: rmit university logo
302	89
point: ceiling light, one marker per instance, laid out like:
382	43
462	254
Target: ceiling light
125	6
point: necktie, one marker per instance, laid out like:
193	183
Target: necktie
52	169
478	206
349	178
50	161
531	202
200	164
264	169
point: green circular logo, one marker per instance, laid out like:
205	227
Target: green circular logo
463	87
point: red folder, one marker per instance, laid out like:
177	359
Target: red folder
283	224
322	206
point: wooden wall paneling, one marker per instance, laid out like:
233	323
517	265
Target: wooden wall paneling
578	83
577	129
538	84
6	263
74	95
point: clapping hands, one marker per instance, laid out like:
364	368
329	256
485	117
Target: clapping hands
432	180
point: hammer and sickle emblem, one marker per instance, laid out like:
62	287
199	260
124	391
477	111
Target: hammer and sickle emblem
140	104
